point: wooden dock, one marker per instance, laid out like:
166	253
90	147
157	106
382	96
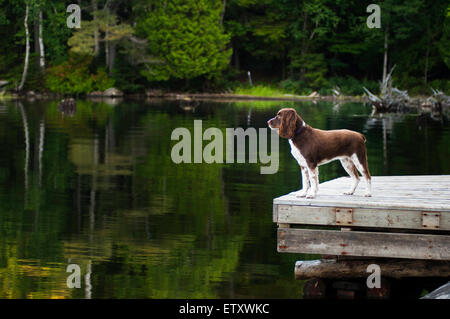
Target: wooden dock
406	217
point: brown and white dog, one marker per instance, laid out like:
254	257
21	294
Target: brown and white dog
312	147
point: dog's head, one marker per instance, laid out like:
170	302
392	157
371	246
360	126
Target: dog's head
286	122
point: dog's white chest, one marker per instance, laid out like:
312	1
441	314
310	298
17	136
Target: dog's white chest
297	155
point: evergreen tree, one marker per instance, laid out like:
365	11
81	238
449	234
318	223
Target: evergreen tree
187	37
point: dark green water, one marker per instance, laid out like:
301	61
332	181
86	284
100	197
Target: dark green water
99	189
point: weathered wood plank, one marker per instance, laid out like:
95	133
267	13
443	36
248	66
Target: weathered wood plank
358	268
388	199
367	244
361	202
275	213
360	217
430	193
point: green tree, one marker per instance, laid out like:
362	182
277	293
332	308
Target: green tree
187	37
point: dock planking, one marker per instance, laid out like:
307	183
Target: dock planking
406	217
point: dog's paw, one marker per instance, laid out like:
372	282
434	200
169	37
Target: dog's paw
310	196
348	193
300	194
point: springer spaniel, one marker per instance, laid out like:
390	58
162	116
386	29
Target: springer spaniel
312	147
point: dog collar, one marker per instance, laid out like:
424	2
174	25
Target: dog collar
299	130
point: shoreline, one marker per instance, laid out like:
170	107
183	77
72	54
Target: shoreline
182	96
238	97
224	97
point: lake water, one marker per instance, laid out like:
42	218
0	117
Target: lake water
98	189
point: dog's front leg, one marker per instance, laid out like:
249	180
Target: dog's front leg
314	180
305	182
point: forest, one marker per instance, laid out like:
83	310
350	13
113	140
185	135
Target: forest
288	46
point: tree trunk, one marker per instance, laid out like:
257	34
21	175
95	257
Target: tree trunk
41	43
112	57
27	49
427	55
36	41
96	39
106	10
386	48
237	63
304	45
224	5
106	50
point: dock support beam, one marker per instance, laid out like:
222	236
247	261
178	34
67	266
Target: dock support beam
339	269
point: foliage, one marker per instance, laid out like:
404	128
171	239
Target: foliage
261	90
351	86
444	43
127	77
83	40
56	32
187	38
312	68
207	45
74	77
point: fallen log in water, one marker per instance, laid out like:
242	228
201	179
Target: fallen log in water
358	268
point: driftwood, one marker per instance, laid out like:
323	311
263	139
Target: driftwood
358	268
438	101
434	107
394	100
391	99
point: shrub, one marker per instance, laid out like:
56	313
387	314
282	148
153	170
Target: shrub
74	77
348	86
352	86
298	87
260	90
101	81
442	85
311	68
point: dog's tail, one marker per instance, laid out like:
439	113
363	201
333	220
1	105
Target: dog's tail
363	137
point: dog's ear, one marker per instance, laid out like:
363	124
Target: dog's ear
288	121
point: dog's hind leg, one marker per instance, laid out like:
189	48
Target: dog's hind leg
360	161
350	168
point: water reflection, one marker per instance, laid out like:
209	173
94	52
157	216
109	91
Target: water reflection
98	189
67	107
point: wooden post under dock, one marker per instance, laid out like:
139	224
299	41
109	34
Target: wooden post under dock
398	268
404	228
